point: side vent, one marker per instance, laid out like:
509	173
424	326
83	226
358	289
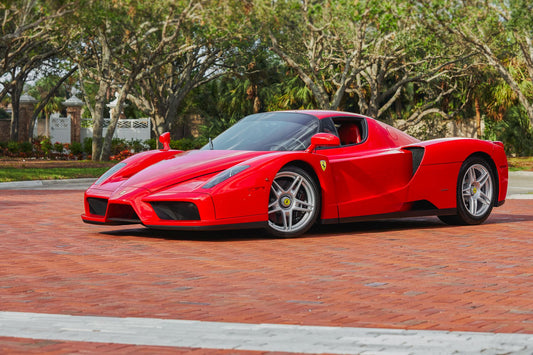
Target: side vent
417	154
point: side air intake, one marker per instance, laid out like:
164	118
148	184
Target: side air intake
417	155
176	210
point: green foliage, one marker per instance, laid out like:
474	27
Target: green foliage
26	147
514	131
185	144
4	114
76	148
13	147
46	146
151	143
88	145
58	147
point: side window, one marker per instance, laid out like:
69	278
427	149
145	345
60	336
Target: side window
327	126
351	130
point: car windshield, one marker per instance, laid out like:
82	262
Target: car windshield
271	131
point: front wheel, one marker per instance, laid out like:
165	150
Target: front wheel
475	193
293	203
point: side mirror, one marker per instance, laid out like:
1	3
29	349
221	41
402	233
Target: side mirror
324	140
165	140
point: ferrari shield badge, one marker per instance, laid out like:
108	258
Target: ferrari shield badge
323	165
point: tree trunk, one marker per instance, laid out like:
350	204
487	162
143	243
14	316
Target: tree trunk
14	134
16	92
98	121
478	117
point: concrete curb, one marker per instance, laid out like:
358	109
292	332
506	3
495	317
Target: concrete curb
51	184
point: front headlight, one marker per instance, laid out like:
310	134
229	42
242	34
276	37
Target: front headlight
224	175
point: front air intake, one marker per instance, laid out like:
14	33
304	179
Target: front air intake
120	213
97	206
176	210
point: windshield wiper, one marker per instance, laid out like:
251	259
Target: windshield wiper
211	144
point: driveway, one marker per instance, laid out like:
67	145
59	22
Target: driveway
403	286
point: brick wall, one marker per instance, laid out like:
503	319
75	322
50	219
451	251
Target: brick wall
5	128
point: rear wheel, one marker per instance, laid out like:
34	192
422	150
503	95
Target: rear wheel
475	193
293	203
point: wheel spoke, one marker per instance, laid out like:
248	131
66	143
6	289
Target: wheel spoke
303	205
287	220
274	207
484	198
278	190
483	179
296	185
473	205
471	176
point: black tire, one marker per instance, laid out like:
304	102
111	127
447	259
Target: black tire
293	204
476	193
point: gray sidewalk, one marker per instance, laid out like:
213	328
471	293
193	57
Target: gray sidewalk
258	337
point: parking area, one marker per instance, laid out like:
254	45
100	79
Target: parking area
415	274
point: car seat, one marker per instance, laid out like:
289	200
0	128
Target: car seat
349	133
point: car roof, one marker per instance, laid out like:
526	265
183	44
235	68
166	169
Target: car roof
320	114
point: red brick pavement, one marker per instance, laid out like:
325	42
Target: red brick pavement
415	274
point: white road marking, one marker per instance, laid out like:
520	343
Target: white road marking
257	337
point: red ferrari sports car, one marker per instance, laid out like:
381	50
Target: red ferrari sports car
285	171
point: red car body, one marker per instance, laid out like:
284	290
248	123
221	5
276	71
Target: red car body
368	171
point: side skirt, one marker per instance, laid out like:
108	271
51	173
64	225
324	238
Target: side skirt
404	214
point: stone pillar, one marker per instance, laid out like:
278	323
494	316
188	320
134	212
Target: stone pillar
73	105
26	107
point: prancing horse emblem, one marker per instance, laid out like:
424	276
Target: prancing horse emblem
323	165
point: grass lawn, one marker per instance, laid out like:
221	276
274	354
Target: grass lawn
21	170
521	163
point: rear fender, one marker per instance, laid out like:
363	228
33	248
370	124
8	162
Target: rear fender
436	178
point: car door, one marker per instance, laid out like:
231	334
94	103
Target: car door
370	176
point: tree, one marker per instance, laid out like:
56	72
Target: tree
161	93
498	30
29	37
368	49
120	45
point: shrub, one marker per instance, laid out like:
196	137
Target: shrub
13	147
513	131
26	148
118	145
3	148
59	148
136	145
121	156
88	145
184	144
151	143
46	146
76	148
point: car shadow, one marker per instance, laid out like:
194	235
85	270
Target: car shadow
206	236
318	231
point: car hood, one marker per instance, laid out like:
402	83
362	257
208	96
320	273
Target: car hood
185	166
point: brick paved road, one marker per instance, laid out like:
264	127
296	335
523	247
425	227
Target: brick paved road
400	274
